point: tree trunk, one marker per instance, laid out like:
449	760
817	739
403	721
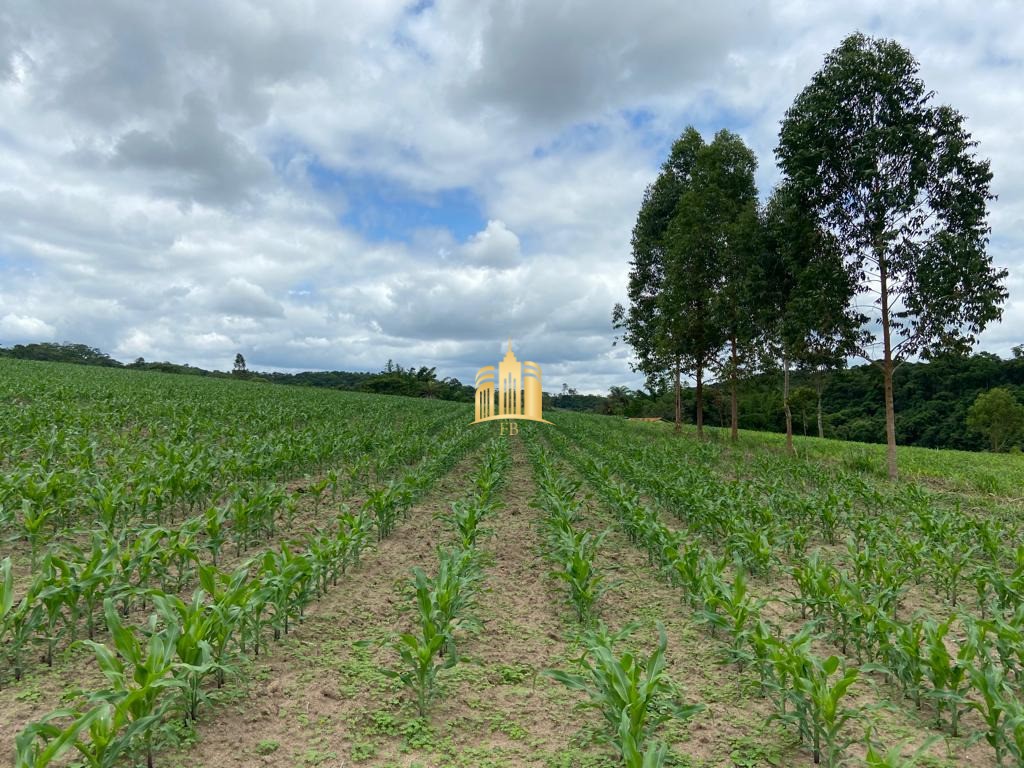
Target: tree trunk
679	402
734	433
785	405
887	368
818	386
700	402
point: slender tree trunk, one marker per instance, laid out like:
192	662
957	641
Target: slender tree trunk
785	405
734	433
679	402
887	368
818	386
700	402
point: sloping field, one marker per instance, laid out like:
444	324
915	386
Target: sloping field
217	573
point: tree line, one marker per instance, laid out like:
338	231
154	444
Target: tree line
933	400
394	379
873	244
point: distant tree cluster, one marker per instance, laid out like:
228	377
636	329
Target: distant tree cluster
417	382
873	244
934	399
393	380
79	354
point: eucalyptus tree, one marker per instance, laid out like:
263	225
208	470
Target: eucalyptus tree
804	304
650	324
896	179
713	246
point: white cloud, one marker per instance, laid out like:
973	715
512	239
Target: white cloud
183	182
494	246
24	328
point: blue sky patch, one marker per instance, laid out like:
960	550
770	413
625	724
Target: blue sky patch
382	209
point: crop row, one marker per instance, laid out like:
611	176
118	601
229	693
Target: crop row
808	690
446	602
162	671
633	694
70	582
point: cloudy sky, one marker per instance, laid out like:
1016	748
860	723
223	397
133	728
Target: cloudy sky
326	185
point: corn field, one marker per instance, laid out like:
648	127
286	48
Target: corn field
214	572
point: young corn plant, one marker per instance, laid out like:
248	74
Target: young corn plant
91	575
286	579
989	682
453	592
382	503
19	621
33	523
353	532
904	658
421	652
197	624
1013	729
806	684
892	757
466	518
138	676
216	532
111	735
816	579
317	491
1007	638
229	599
53	599
947	675
734	611
949	561
574	560
634	695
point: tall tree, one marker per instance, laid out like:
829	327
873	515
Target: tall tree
712	245
649	325
741	252
895	178
239	367
804	304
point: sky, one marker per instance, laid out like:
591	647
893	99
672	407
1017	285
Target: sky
330	185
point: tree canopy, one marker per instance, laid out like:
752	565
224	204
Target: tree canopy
997	416
895	178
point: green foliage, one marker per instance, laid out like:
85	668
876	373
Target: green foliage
814	698
145	479
997	416
574	554
80	354
634	695
896	178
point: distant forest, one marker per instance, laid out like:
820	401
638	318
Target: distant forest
932	398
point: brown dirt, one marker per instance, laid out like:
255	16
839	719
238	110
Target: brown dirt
321	698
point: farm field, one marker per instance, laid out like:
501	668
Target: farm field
206	572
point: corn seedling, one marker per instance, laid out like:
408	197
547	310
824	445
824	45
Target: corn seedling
138	675
633	694
575	554
421	652
990	684
734	611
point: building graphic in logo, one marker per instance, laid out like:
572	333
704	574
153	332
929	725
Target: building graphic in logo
512	391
